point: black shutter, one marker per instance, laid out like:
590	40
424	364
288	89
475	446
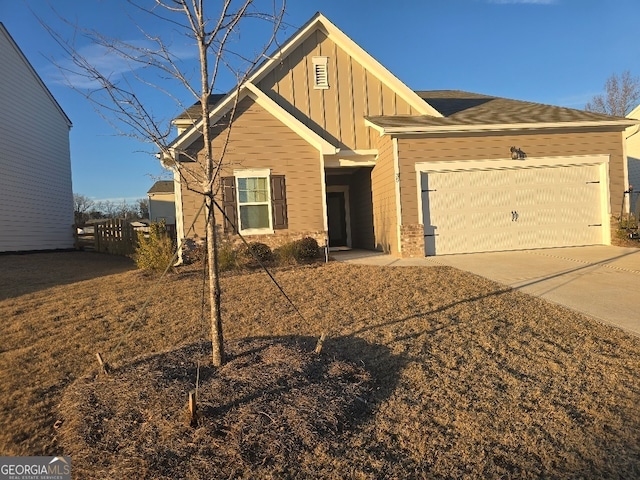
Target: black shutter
229	204
279	202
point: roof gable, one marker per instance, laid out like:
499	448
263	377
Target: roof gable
317	23
223	107
635	113
162	186
322	23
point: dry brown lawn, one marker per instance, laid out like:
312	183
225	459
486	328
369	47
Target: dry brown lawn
427	373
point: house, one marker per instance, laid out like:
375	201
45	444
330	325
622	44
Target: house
632	136
162	203
36	197
326	142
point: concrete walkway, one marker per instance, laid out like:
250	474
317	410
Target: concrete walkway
600	281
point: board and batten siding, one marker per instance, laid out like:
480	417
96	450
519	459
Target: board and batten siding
259	140
336	113
36	196
496	147
383	189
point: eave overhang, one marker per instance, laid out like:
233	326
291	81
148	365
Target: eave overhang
497	128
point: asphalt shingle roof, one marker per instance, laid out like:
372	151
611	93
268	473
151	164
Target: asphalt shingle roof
162	186
193	113
465	108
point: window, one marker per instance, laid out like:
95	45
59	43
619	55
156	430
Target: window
254	202
320	72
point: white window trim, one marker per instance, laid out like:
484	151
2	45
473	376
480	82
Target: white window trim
320	65
254	173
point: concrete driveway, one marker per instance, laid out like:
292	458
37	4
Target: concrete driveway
600	281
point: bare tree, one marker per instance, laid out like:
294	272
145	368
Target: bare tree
143	207
120	100
621	96
82	206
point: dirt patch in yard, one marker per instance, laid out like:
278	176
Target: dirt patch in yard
268	408
462	377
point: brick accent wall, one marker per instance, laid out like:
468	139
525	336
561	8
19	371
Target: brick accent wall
412	240
274	241
277	239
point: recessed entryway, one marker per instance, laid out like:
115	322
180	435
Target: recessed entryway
338	216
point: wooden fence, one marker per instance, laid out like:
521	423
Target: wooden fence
115	236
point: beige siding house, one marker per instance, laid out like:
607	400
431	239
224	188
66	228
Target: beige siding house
162	205
36	199
326	142
632	135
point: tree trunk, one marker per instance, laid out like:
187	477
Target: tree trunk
217	340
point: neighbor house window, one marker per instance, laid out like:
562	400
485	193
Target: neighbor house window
254	202
320	72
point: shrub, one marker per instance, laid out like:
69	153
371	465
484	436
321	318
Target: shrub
155	250
306	248
286	254
227	257
194	252
259	251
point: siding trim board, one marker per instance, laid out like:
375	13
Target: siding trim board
396	181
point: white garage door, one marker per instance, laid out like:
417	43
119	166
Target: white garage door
511	209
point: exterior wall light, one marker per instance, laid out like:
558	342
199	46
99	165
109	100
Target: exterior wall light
517	154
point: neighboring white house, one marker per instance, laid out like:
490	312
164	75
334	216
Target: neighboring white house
36	197
162	202
632	135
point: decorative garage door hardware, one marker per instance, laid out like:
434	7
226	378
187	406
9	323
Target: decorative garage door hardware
514	216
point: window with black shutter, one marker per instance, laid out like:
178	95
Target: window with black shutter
247	198
279	202
229	204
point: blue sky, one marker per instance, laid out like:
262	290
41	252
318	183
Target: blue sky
557	52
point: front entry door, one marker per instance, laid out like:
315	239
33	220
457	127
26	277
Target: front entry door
337	220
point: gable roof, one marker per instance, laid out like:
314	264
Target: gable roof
192	114
319	21
635	113
13	43
162	186
224	103
466	111
262	99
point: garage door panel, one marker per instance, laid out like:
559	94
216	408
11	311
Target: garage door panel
489	220
516	208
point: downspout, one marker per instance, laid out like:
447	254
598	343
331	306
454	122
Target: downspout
177	200
325	219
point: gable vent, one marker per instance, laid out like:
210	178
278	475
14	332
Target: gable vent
320	72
